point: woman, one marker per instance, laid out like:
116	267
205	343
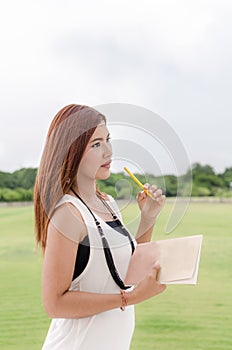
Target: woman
86	247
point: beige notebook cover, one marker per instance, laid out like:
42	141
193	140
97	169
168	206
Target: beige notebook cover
179	260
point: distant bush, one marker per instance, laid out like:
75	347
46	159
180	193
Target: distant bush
18	186
17	195
200	191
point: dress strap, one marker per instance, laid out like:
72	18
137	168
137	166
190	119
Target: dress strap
108	255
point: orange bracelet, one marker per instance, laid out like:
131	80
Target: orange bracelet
124	300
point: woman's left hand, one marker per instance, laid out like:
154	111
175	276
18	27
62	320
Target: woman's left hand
150	207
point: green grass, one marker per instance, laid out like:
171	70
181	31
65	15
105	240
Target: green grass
23	322
183	317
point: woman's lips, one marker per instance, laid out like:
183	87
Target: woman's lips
106	165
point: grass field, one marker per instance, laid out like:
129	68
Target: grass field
184	317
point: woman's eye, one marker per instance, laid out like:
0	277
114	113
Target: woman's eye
97	144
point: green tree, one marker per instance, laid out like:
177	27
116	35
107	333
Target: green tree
6	180
227	177
25	177
198	169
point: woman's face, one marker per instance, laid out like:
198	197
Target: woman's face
95	162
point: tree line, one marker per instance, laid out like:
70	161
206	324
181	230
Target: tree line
18	186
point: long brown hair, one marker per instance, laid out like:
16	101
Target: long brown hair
68	136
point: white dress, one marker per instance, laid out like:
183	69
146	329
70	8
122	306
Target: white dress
110	330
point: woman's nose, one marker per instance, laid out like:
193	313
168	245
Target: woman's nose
108	150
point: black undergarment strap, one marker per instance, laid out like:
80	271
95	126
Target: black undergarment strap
109	259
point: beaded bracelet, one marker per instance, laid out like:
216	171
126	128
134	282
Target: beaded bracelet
124	300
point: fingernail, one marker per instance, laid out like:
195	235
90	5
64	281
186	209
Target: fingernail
157	264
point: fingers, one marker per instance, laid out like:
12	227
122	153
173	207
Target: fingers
150	188
155	269
141	195
153	276
149	286
161	199
157	194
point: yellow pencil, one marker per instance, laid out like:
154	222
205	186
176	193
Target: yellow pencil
138	182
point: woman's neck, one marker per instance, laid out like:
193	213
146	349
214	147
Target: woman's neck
86	189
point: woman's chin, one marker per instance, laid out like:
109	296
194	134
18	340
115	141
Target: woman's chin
103	175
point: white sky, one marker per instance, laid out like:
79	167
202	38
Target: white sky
171	57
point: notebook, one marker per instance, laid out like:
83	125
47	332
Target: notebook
179	260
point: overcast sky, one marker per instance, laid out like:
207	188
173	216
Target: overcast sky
170	57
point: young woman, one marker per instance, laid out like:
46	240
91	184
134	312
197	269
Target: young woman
86	247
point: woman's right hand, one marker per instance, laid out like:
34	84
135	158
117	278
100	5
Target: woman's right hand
148	287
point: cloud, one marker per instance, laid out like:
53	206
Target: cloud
172	57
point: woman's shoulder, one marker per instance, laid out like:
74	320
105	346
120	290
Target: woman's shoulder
68	208
66	199
67	219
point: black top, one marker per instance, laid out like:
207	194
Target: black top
83	252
